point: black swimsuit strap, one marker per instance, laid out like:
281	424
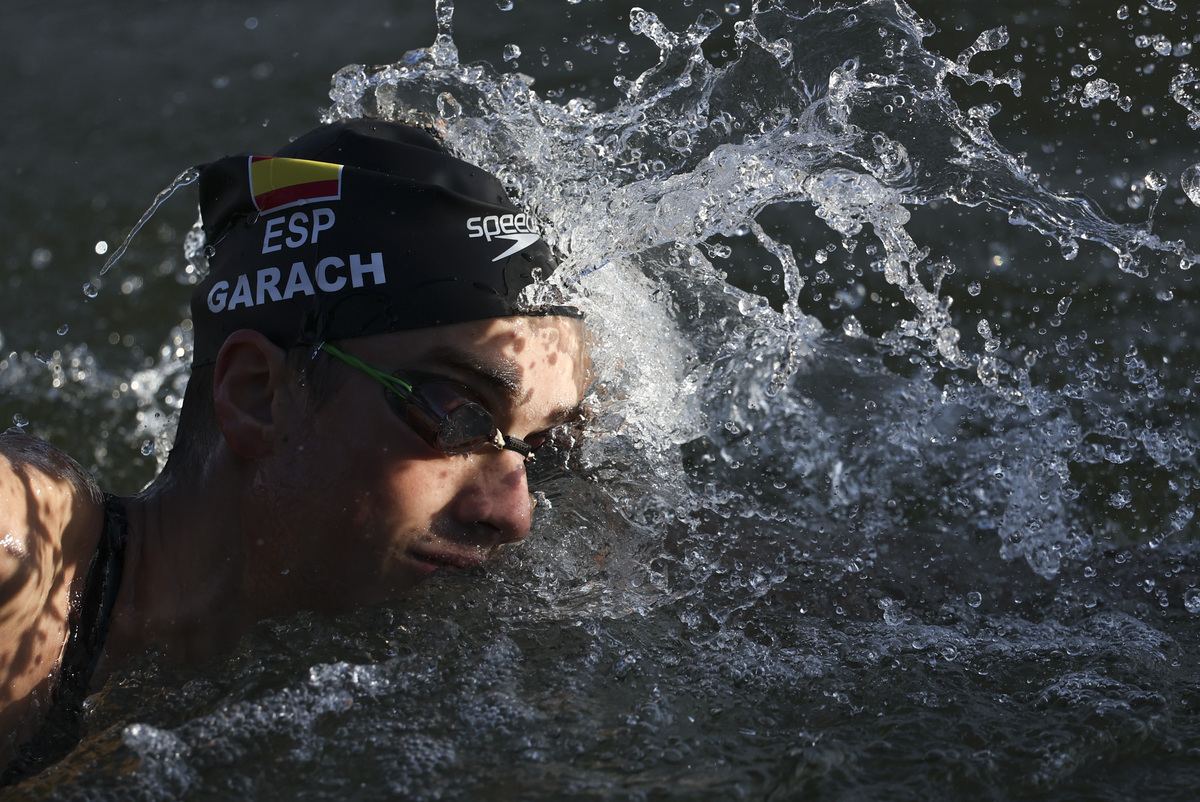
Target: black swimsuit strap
62	726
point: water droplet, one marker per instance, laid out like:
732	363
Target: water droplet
974	598
20	421
444	51
680	140
1123	12
1098	90
251	23
732	8
511	52
40	356
1181	518
40	258
1120	500
1190	181
101	248
63	329
504	5
90	290
147	448
1162	5
1191	600
1155	181
974	288
893	612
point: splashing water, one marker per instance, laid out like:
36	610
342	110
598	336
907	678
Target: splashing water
840	515
186	178
1189	181
639	198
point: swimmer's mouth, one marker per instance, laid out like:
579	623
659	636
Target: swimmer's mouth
446	559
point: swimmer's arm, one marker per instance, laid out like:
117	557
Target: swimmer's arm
41	492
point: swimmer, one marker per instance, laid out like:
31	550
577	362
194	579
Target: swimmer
375	361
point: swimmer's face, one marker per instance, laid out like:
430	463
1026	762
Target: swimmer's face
359	508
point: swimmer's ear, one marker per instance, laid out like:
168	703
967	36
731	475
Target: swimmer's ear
247	379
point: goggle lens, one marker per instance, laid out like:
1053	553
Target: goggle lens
446	414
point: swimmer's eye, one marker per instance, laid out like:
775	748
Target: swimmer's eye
447	414
538	439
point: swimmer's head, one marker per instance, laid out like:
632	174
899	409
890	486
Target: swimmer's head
359	227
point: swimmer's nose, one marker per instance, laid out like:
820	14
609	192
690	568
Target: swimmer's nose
497	500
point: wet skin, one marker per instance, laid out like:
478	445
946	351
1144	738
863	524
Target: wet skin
50	520
354	507
301	507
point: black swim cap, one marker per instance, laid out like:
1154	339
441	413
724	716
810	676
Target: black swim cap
359	227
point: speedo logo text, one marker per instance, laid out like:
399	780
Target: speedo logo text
516	228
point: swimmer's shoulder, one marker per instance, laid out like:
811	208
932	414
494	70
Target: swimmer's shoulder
51	515
46	499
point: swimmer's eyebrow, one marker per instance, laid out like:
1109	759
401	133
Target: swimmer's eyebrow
502	375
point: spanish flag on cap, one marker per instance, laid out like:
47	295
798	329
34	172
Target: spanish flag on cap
276	183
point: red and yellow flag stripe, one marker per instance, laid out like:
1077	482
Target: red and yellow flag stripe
277	182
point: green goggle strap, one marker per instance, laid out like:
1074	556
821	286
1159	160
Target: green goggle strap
396	385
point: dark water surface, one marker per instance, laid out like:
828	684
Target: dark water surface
891	488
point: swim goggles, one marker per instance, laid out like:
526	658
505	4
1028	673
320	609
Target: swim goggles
446	414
